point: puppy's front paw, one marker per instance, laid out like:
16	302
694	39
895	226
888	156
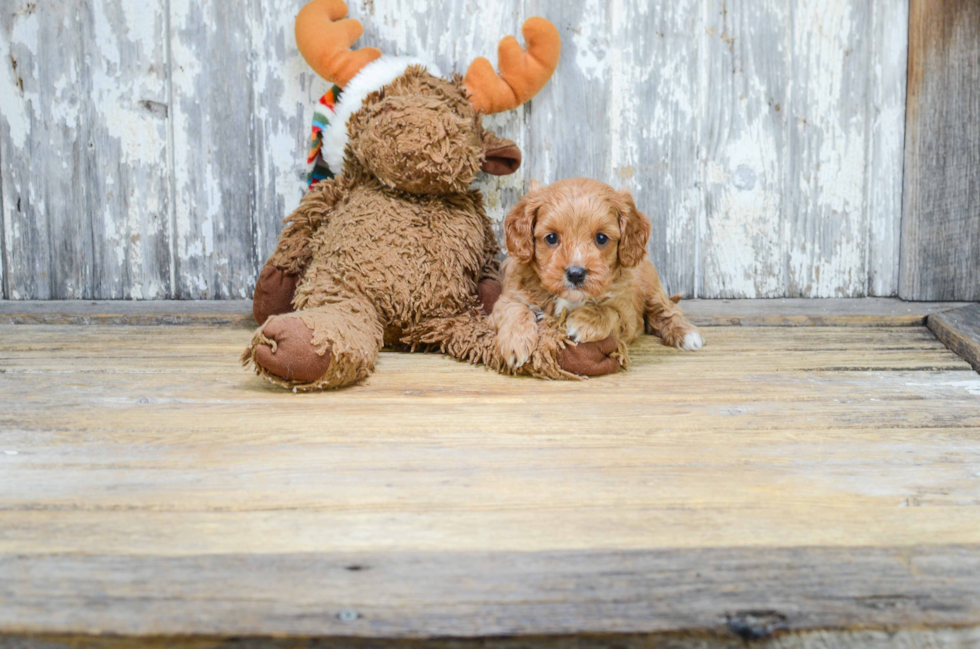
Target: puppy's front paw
581	329
516	349
691	342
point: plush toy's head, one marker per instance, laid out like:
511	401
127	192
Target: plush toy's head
399	121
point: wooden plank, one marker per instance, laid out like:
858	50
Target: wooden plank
860	312
868	312
433	594
150	486
959	330
745	152
941	206
83	139
213	174
740	626
232	313
800	179
886	141
826	226
3	238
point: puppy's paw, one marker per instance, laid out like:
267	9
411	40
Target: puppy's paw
582	329
516	349
691	341
517	359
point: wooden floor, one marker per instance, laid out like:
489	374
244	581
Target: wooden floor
782	479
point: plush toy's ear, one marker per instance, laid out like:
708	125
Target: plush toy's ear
501	157
634	230
519	226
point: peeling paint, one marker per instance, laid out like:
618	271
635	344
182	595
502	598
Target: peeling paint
12	104
763	139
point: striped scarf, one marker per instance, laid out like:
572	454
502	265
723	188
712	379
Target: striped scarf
322	114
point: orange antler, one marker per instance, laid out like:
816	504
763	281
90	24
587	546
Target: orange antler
325	40
522	73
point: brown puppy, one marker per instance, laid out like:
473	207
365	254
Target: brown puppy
577	249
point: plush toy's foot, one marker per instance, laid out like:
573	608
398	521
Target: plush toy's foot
273	293
591	359
320	348
284	348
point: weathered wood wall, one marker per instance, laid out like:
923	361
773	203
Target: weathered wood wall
150	150
941	221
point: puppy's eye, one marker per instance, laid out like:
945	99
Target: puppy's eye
552	239
601	239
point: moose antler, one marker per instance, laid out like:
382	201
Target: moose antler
325	39
522	73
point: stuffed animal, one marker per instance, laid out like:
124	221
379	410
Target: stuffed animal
398	250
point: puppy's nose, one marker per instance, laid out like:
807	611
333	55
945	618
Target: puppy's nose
575	275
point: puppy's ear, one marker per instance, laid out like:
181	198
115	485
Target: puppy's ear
634	230
519	226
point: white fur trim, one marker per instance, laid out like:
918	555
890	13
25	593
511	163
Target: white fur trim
371	78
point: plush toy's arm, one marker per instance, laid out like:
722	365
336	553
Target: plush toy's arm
292	254
491	265
277	282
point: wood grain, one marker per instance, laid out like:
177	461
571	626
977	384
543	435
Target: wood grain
849	312
745	152
214	187
150	486
861	312
959	330
493	594
83	144
802	148
740	626
827	230
764	140
886	142
941	206
3	238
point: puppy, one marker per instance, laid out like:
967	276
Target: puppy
577	249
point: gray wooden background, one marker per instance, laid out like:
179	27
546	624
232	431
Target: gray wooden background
150	149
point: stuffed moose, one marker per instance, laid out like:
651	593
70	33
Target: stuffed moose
398	250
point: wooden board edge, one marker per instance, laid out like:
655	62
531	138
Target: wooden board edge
223	313
933	638
809	320
959	330
422	595
138	320
850	312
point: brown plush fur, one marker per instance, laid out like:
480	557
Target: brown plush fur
582	224
391	252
